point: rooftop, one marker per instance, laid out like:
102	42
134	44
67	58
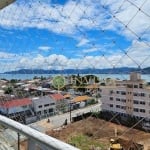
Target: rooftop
57	96
15	103
81	98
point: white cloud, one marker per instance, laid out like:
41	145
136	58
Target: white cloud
75	19
59	19
128	14
138	55
71	17
5	55
93	49
83	42
44	48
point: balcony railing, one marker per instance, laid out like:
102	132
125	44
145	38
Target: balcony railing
36	139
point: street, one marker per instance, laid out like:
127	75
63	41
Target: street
58	120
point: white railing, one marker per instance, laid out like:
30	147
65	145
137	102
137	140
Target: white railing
36	138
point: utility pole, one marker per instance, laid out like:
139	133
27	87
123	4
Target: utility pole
70	111
18	141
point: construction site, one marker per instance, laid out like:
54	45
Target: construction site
94	134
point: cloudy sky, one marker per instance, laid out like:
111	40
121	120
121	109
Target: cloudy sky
62	34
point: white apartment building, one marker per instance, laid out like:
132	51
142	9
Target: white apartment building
128	97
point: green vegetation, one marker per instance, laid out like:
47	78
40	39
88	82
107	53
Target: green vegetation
8	90
91	102
84	142
13	81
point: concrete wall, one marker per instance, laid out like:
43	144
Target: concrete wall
14	109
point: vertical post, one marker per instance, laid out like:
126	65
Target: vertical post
70	112
18	141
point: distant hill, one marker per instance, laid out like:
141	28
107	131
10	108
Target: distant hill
146	70
123	70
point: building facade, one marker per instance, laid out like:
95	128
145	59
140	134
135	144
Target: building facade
16	109
128	97
62	104
43	106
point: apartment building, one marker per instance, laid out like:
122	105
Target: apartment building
128	97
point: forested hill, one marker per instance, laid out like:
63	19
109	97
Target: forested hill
123	70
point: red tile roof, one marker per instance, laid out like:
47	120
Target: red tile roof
16	103
57	96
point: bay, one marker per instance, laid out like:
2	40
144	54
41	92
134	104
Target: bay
146	77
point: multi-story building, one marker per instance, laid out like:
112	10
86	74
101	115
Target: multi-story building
43	106
128	98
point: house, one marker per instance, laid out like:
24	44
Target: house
128	98
17	109
81	101
43	106
62	104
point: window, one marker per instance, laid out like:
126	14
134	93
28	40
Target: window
50	110
117	106
52	103
136	110
143	94
135	86
45	111
111	92
111	98
117	99
141	86
117	92
130	86
46	105
123	100
135	94
123	107
135	102
142	102
123	93
142	110
40	106
111	105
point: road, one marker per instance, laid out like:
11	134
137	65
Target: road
58	120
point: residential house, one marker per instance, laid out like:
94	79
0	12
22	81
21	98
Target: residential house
17	109
81	101
43	106
62	104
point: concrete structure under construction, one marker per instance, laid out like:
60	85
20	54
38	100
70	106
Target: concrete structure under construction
129	98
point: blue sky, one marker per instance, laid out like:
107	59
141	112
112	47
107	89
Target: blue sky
56	34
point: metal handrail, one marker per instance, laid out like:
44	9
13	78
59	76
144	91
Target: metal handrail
40	138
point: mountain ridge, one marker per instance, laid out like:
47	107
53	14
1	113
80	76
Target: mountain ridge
125	70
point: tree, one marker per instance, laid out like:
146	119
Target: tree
8	90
